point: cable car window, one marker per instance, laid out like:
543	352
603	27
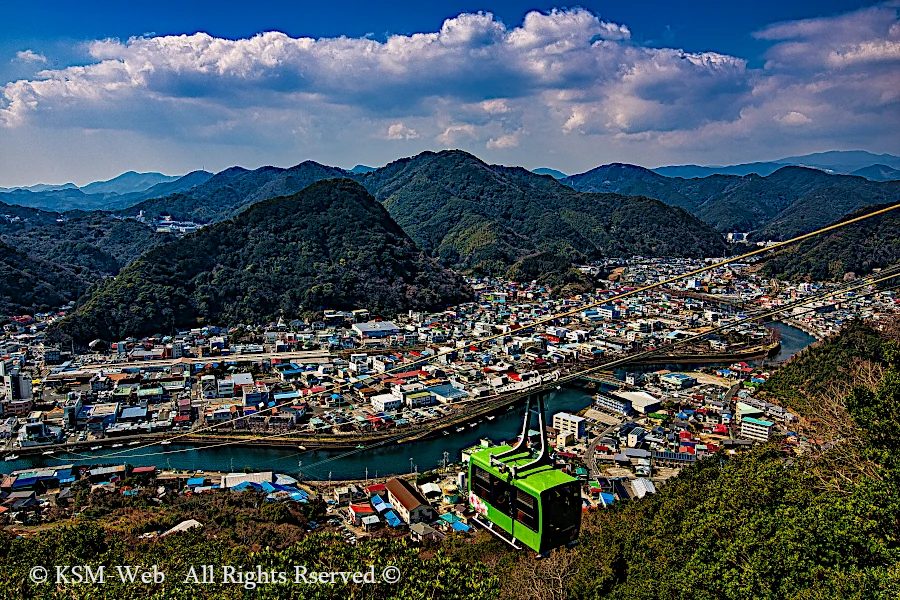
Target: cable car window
503	492
527	510
562	508
481	483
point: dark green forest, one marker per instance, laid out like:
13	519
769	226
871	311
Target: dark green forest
824	366
487	217
227	193
789	202
330	246
858	248
28	286
59	256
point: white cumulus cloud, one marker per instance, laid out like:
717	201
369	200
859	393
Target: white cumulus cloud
399	131
30	56
581	87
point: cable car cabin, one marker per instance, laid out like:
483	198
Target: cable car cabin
539	506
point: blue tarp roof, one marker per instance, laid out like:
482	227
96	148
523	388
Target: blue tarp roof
392	519
246	485
460	526
195	481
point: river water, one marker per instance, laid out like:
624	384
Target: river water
324	464
793	340
390	459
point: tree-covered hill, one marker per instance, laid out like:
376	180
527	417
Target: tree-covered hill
28	285
824	367
786	203
94	242
487	217
330	246
858	248
73	250
468	213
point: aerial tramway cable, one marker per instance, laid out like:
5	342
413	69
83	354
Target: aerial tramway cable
543	321
884	275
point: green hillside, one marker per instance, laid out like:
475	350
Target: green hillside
858	248
487	217
330	246
28	286
230	191
74	250
786	203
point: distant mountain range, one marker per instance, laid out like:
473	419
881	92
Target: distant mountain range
788	202
836	161
878	173
118	192
470	214
551	172
458	210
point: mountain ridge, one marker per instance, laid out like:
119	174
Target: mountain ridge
280	257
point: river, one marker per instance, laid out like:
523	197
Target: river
390	459
793	340
324	464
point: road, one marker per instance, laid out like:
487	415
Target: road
309	356
592	448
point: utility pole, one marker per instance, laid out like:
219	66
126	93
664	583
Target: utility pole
410	464
367	475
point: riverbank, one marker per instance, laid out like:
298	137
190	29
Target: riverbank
324	463
801	326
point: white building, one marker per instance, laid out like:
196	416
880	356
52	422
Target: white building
386	403
756	429
565	423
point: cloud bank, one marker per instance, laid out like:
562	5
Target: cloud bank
565	87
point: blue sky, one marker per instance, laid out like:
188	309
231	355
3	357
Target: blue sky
90	89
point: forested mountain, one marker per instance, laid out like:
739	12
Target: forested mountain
94	242
330	246
488	217
790	201
68	252
858	248
28	286
878	173
226	193
815	371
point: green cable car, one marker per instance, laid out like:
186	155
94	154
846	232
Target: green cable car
523	499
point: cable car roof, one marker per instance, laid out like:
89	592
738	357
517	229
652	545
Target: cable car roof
534	480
